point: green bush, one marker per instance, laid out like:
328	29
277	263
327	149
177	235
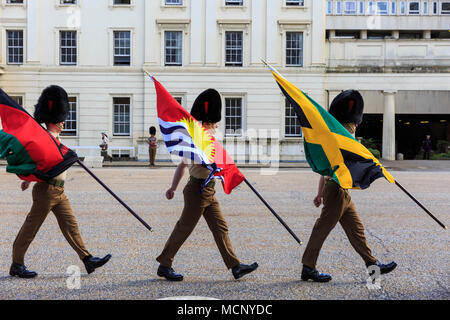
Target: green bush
440	156
442	146
369	143
375	153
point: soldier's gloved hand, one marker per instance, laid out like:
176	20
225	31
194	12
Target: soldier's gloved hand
25	185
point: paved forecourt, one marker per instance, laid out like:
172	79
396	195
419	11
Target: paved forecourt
396	228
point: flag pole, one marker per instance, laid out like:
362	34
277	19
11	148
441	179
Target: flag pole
273	212
420	205
114	195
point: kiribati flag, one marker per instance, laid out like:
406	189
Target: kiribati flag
184	136
329	148
31	151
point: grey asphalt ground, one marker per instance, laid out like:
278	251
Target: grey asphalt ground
396	228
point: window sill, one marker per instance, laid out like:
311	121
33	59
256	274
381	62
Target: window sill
121	137
121	6
5	5
234	7
285	7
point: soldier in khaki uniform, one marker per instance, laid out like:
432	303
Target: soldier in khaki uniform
338	206
207	109
52	109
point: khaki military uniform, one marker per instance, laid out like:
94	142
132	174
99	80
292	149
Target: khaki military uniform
337	207
49	197
198	204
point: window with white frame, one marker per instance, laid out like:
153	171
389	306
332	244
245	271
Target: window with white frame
414	7
68	47
233	116
371	8
329	7
393	8
292	126
294	49
179	100
361	7
403	7
70	125
382	7
18	100
173	48
234	2
122	117
349	7
234	48
425	8
295	2
122	48
435	7
445	7
338	7
174	2
14	46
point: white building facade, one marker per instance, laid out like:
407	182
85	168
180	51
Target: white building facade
98	51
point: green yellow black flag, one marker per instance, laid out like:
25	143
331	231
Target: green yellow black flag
329	148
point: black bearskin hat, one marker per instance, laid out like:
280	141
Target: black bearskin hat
152	130
208	107
52	106
348	107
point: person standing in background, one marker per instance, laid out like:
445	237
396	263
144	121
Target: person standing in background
152	145
104	147
426	146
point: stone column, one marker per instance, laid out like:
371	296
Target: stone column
318	45
257	38
388	152
32	37
196	31
211	33
271	31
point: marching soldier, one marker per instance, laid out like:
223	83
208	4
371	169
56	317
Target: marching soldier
207	109
51	109
338	206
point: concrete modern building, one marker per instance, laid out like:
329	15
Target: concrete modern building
397	53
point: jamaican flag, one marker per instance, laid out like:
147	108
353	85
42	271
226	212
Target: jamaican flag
31	151
329	148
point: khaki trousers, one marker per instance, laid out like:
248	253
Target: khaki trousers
337	207
48	198
152	153
196	205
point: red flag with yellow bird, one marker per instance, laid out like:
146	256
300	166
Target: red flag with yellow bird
185	136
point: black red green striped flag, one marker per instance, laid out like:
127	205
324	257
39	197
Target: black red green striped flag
30	150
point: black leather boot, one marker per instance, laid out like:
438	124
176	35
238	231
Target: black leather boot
91	263
19	270
169	274
384	268
242	269
313	274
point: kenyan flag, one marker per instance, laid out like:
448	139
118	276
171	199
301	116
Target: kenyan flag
31	151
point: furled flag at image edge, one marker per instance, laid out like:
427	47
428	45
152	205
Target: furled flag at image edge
330	149
184	136
30	150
